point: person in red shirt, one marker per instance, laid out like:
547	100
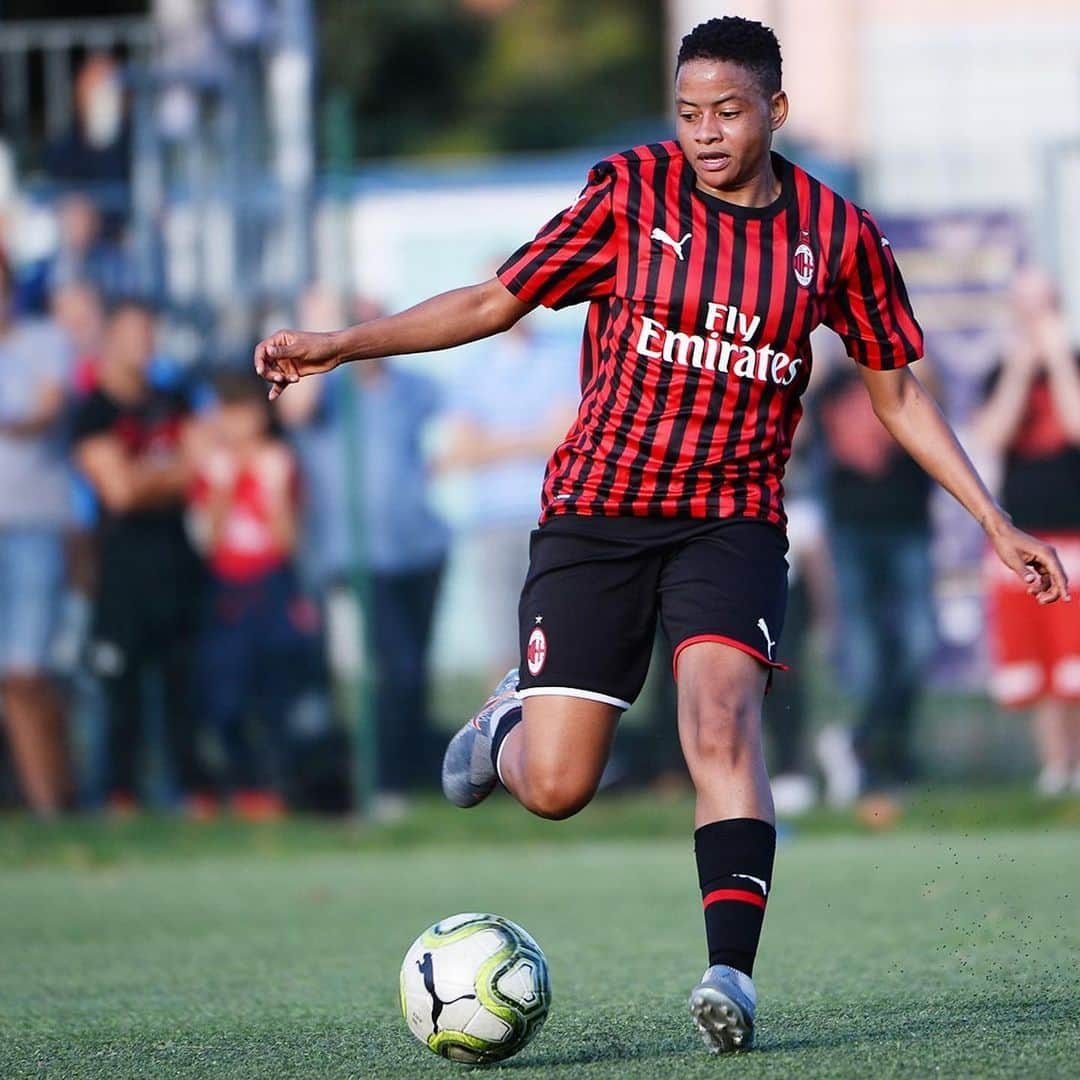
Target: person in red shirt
1031	417
705	262
245	505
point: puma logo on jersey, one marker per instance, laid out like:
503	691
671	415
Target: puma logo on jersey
756	880
675	245
763	626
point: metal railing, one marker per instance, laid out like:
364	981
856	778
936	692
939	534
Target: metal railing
219	217
59	44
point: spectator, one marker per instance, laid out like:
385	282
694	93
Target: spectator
877	506
245	499
78	311
373	464
811	591
787	705
84	253
502	440
34	360
311	421
1031	417
95	154
321	772
128	443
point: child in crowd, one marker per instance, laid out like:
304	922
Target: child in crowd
1031	418
244	505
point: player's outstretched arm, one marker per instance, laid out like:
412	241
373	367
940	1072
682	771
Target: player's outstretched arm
449	319
915	421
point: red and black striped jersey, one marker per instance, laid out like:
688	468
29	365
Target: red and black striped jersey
696	348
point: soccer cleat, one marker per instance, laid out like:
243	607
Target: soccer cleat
468	774
723	1006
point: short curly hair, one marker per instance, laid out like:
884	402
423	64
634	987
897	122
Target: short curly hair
749	44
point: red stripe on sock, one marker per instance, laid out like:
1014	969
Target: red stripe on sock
744	895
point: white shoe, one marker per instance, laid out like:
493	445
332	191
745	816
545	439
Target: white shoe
843	775
723	1005
388	807
1052	781
793	794
468	774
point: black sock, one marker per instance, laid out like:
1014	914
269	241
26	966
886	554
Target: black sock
507	722
735	863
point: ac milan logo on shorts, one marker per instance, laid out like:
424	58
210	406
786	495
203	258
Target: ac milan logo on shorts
536	653
803	264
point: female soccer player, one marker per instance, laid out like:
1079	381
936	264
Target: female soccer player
705	261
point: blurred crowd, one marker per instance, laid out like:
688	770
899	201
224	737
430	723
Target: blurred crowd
179	557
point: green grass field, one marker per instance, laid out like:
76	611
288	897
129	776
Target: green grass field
948	946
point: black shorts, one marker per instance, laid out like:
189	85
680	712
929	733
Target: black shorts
595	586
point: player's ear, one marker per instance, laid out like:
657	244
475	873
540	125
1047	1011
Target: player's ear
778	110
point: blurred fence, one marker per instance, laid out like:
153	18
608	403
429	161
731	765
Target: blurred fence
38	61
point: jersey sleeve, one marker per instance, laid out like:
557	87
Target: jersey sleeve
869	307
573	257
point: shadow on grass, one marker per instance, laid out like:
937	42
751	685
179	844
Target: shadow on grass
891	1022
880	1023
609	1042
590	1055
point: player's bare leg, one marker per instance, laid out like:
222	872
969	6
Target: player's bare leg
550	749
720	696
720	693
552	761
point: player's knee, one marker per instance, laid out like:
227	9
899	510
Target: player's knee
722	730
553	794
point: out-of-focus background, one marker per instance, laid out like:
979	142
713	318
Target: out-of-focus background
213	607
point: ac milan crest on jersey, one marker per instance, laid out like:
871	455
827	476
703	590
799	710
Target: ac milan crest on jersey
802	262
536	653
696	349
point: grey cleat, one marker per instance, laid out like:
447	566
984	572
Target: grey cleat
468	775
723	1006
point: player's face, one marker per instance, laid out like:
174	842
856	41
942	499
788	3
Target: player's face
724	122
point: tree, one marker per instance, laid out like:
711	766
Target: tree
431	76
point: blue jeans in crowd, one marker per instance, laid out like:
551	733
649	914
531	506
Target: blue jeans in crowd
253	661
32	570
402	617
884	580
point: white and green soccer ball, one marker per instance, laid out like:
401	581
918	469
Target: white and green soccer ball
475	988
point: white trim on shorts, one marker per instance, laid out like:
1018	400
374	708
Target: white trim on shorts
569	691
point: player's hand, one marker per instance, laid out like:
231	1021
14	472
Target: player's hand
287	356
1034	561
